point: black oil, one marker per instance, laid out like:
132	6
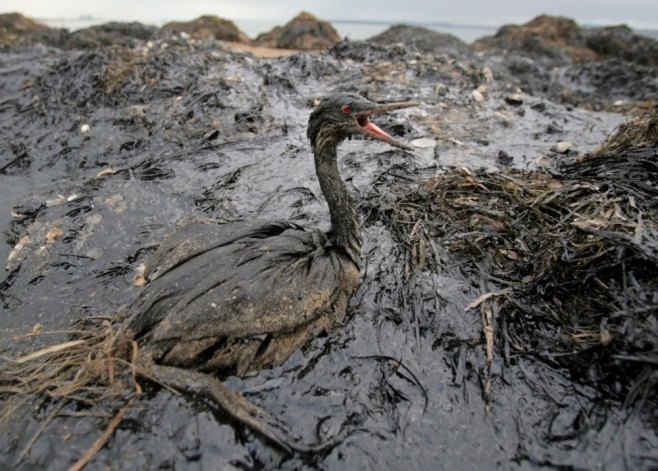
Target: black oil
116	147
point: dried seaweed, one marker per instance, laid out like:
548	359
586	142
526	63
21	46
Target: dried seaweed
89	368
578	253
641	131
92	369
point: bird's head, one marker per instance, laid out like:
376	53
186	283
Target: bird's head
342	115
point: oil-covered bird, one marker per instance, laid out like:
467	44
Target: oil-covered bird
237	297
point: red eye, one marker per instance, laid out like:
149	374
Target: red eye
347	109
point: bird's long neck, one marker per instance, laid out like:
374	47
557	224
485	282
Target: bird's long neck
345	231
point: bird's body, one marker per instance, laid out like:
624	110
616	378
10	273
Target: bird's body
238	297
241	296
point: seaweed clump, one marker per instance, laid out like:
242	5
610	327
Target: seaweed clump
639	132
574	258
90	374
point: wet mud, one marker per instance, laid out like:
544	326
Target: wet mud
106	151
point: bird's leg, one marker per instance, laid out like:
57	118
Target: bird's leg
234	404
231	401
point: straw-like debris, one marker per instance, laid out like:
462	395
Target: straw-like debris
577	256
90	367
94	369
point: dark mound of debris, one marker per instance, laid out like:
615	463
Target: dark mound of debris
18	29
15	25
305	32
423	39
640	132
209	27
620	42
600	84
110	34
572	258
563	39
556	58
558	38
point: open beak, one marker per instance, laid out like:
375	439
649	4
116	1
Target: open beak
370	129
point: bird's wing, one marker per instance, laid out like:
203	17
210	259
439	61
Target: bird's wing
200	236
253	285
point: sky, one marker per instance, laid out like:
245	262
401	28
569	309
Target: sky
642	14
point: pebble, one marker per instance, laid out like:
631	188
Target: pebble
515	99
424	143
139	278
554	128
53	234
504	117
441	89
461	67
84	129
543	161
504	158
487	74
477	96
94	219
562	147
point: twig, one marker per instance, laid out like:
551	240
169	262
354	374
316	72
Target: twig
488	329
486	296
133	360
48	350
102	440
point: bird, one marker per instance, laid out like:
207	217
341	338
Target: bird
238	297
234	298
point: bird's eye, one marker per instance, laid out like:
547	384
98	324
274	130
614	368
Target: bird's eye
347	109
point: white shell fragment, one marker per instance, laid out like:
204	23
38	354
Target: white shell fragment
424	142
562	147
106	172
139	278
16	252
